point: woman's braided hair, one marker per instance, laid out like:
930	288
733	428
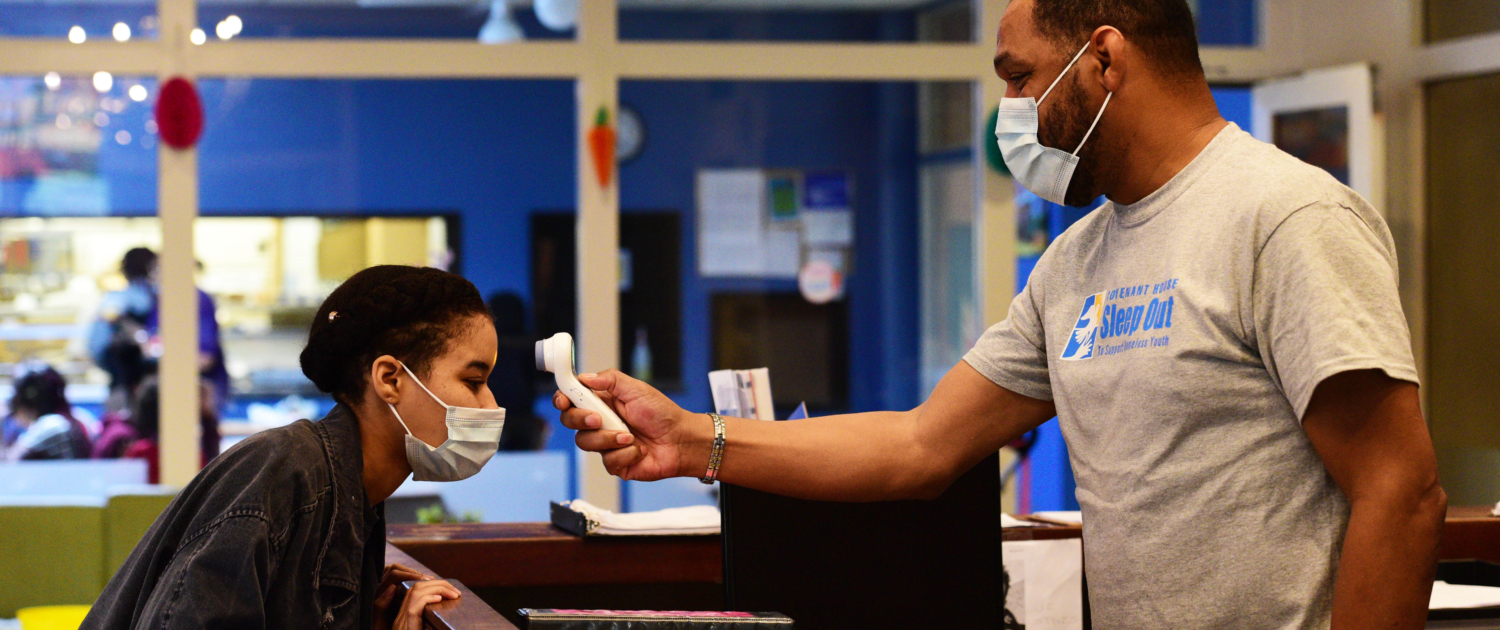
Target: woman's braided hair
410	313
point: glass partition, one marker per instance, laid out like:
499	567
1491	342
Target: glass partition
80	21
77	192
77	146
487	21
305	182
796	21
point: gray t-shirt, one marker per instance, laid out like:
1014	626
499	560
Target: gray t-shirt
1181	338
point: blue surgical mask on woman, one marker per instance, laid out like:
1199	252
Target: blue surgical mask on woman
473	438
1044	171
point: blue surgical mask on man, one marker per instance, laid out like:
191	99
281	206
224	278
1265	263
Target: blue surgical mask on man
1044	171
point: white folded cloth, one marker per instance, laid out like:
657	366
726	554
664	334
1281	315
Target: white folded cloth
697	519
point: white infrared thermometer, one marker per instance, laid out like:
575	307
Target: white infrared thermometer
555	354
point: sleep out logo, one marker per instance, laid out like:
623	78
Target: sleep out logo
1136	316
1081	341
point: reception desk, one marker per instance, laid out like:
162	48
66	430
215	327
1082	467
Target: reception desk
535	565
515	565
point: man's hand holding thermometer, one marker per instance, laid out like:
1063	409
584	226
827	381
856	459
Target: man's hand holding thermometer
651	447
555	354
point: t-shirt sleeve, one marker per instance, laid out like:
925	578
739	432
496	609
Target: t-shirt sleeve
1013	353
1324	301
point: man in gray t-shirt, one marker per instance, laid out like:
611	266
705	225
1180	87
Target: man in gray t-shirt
1222	344
1181	338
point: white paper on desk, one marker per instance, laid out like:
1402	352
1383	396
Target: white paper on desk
1074	517
731	222
1046	583
1445	595
697	519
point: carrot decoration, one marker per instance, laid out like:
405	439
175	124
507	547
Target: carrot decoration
602	146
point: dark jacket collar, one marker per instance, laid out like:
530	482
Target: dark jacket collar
352	513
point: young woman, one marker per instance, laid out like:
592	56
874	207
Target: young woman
287	529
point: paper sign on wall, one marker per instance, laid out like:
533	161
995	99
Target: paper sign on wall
828	228
731	222
783	253
827	219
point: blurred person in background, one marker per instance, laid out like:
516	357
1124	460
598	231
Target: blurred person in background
145	420
211	349
135	435
125	340
125	324
48	428
514	379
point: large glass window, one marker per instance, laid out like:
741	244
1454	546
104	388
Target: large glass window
491	22
77	194
77	146
80	21
797	21
305	182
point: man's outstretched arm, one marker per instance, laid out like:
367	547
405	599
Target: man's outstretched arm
856	457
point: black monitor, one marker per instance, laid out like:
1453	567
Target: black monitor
893	564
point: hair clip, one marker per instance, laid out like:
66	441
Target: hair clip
332	315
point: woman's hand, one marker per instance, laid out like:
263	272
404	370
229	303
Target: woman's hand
663	441
395	574
409	617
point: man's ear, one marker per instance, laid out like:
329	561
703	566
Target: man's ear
385	379
1108	47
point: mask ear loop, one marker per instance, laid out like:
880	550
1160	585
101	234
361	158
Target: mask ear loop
1107	96
1064	73
398	419
424	387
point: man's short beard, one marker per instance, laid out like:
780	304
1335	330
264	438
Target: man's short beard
1063	128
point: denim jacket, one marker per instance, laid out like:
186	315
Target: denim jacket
276	533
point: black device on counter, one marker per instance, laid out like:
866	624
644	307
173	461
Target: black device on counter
890	564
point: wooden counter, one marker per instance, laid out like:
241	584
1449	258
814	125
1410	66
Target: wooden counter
1471	532
534	565
468	612
485	555
514	565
